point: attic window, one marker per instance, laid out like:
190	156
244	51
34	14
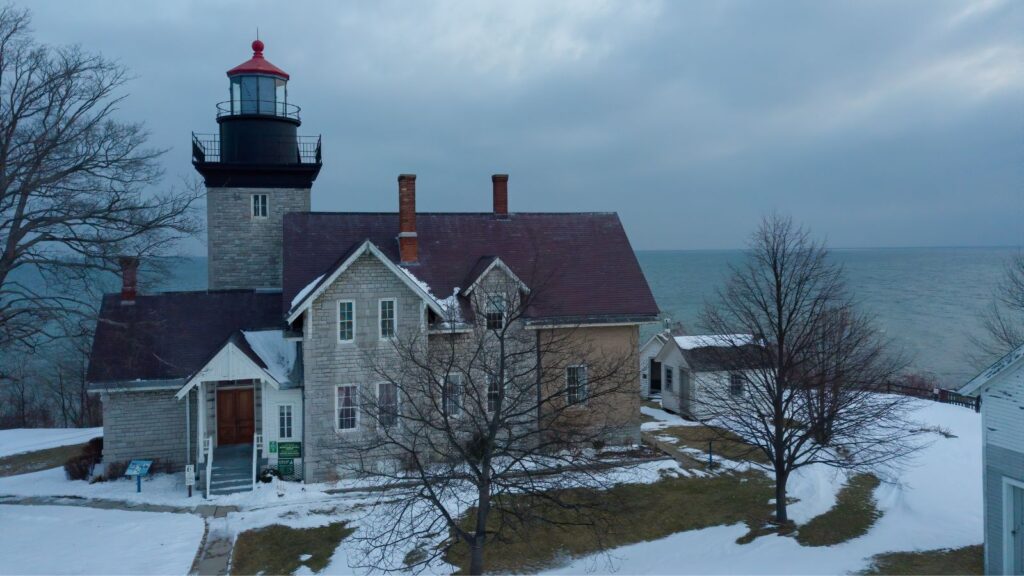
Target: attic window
259	205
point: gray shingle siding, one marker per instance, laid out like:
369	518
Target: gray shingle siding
245	252
330	363
1000	463
146	425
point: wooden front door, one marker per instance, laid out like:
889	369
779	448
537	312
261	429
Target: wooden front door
236	416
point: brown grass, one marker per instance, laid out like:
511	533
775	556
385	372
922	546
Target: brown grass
276	549
724	444
853	514
966	560
626	514
38	460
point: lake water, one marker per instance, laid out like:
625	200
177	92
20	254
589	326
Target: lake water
926	299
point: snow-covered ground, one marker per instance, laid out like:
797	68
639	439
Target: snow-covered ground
74	540
18	440
936	503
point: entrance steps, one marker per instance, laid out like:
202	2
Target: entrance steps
232	469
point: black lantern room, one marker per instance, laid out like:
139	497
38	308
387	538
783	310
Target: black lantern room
258	144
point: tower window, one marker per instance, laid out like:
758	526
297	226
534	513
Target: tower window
259	205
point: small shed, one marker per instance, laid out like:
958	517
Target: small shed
1001	388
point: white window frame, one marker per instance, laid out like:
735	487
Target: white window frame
445	396
491	308
291	407
394	318
398	405
337	407
337	320
487	395
265	205
586	385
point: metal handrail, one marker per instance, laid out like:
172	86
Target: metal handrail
209	463
257	443
252	108
206	148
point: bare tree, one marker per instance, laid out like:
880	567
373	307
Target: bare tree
812	368
74	181
1003	321
493	419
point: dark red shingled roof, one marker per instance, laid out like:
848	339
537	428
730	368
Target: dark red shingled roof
170	335
581	265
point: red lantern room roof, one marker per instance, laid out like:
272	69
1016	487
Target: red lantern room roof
257	64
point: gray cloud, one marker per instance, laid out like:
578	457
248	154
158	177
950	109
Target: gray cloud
876	123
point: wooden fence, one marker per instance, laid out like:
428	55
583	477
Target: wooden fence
937	394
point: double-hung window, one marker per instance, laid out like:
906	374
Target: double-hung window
347	407
495	312
388	320
284	421
736	382
493	393
669	373
346	321
387	404
452	400
259	205
576	384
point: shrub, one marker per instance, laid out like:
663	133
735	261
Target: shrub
94	448
78	467
115	470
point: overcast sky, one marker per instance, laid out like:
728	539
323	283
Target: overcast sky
875	123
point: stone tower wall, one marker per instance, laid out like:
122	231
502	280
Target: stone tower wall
245	251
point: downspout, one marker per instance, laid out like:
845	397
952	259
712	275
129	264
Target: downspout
188	428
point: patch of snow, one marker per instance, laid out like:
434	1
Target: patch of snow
305	557
18	440
452	309
276	352
917	514
78	540
306	290
713	340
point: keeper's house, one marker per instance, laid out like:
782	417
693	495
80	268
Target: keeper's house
272	358
1001	388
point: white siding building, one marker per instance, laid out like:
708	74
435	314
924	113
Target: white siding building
1001	388
693	366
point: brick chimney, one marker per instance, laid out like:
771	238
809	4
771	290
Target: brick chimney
129	278
499	182
408	246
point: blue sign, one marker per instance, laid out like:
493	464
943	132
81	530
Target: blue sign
138	468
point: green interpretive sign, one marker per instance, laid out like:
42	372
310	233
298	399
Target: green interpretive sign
289	450
273	447
286	467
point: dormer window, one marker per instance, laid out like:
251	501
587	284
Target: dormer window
495	312
259	205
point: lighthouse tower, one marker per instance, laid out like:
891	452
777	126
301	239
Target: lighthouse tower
256	170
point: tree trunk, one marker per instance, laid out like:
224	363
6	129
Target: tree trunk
476	557
483	509
780	497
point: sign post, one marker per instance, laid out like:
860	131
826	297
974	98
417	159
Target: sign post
190	477
138	468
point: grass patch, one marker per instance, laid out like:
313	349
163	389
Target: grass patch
852	516
38	460
277	549
724	444
966	560
625	514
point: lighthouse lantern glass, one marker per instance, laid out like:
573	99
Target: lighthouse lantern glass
257	94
